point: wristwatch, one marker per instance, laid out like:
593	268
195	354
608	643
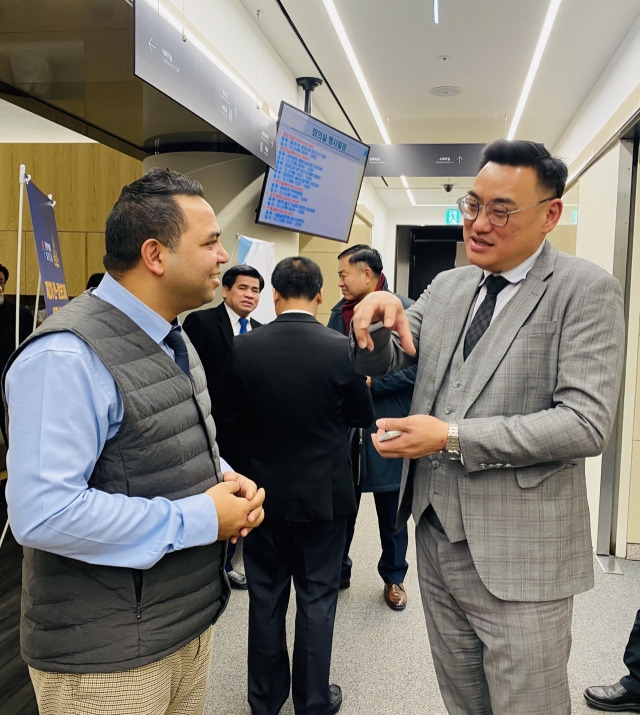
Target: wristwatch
452	448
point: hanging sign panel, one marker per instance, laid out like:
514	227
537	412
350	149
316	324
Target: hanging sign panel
424	160
182	71
47	249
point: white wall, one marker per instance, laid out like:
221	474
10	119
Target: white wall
615	84
595	241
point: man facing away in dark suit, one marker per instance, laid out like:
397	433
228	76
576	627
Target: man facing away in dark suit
212	332
290	394
519	365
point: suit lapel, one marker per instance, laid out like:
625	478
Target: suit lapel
457	312
225	325
496	342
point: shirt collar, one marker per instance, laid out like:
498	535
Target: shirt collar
233	316
519	273
114	293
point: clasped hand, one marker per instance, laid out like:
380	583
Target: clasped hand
238	503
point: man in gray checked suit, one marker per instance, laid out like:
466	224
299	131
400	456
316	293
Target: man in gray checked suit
519	365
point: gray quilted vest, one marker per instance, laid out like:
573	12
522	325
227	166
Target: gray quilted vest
77	617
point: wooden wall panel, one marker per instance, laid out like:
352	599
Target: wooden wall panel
8	258
43	162
96	174
85	181
30	263
95	253
73	247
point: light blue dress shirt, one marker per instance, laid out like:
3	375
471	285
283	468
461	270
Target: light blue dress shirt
63	406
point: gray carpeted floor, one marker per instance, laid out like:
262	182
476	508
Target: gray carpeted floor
381	658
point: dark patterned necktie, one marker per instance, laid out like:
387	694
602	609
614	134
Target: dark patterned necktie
243	325
176	342
482	318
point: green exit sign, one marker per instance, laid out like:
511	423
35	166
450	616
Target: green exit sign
453	216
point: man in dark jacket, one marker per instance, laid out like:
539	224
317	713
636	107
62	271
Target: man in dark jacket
212	332
288	415
360	273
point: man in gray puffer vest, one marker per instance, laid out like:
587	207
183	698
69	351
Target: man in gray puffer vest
116	490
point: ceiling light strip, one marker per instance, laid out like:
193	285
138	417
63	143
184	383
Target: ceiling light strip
436	12
554	6
405	183
355	66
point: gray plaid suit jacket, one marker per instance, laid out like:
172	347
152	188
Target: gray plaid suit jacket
542	399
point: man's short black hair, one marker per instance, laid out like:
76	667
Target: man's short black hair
94	280
297	277
361	253
146	209
552	171
5	270
231	276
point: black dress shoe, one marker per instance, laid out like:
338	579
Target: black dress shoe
613	698
237	580
336	699
344	583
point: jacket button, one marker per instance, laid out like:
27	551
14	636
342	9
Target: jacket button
483	466
448	410
457	384
435	464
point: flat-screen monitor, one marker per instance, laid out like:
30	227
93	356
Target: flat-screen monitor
315	185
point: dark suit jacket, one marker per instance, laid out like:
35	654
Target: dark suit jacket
211	333
288	396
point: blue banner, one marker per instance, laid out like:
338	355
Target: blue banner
47	249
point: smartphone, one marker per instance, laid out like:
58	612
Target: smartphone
391	434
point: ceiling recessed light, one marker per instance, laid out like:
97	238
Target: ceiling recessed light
445	91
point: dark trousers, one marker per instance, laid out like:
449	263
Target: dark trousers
632	659
274	554
392	566
231	550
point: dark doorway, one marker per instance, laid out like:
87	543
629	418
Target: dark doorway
422	253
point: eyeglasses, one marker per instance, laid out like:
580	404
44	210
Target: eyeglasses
497	214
